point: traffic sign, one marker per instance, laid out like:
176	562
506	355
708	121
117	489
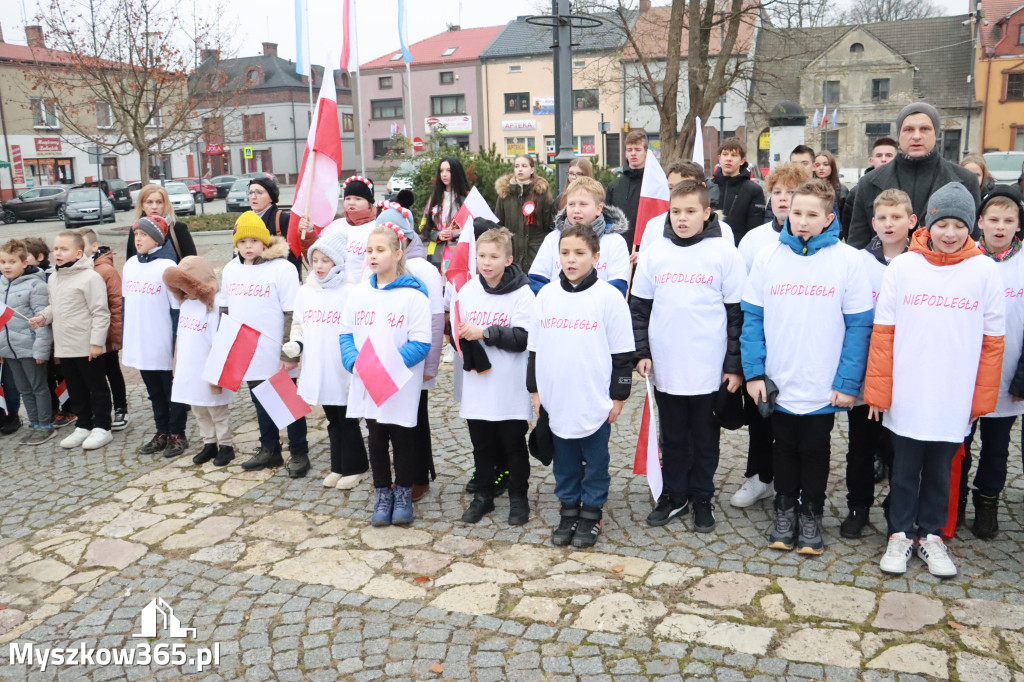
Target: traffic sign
247	152
417	144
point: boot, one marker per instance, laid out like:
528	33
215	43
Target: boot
810	540
784	530
264	458
384	503
298	465
225	453
518	510
481	504
562	536
853	525
986	523
208	452
588	528
402	514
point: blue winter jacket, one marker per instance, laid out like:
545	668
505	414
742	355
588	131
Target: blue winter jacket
412	352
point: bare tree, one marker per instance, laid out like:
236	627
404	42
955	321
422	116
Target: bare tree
870	11
123	82
802	13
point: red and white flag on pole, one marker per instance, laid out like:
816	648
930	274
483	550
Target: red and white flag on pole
233	348
281	400
3	400
647	460
381	368
62	393
462	267
317	191
6	313
653	196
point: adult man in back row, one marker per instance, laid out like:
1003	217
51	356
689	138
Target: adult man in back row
918	169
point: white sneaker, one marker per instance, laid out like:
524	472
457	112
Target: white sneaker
76	438
332	480
349	482
934	553
751	491
896	554
448	354
97	439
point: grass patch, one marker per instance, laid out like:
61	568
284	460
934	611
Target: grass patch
212	222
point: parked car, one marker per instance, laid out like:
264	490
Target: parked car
1005	167
237	200
84	207
181	198
116	190
401	178
208	192
223	184
135	188
36	203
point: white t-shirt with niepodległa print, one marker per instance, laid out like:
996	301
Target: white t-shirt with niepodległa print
757	239
148	336
613	263
804	299
196	328
1012	273
500	393
655	230
689	287
574	335
941	316
322	378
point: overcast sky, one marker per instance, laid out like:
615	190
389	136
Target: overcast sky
272	21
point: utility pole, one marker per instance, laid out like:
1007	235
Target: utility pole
721	103
975	20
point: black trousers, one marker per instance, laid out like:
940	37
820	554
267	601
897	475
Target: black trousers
403	443
919	501
424	450
760	444
118	392
802	450
500	444
169	417
348	452
867	437
689	445
990	476
87	392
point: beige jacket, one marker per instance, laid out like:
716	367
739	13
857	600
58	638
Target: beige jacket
78	309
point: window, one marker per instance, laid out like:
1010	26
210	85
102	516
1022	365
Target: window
382	148
253	76
396	56
449	52
830	92
447	77
447	105
517	101
254	128
951	145
584	99
579	63
385	83
104	115
645	95
347	123
873	131
1018	139
879	89
584	145
830	140
857	48
1020	34
44	113
386	108
515	68
344	80
514	146
154	117
1015	86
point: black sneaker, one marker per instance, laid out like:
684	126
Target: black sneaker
518	510
562	536
588	529
263	459
120	421
10	424
298	465
208	452
854	523
225	453
471	483
703	516
62	420
810	540
176	445
500	483
784	530
480	505
157	444
666	510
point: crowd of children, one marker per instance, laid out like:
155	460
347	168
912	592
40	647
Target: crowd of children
799	323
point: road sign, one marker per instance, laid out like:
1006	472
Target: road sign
247	152
417	144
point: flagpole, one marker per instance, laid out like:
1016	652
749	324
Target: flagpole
408	75
354	41
309	60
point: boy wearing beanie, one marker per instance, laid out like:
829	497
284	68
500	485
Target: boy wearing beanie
258	289
355	225
934	368
150	315
194	286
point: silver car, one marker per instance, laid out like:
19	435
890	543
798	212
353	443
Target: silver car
237	200
181	198
84	206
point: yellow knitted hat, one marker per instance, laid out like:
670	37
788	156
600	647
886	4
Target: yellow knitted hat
250	225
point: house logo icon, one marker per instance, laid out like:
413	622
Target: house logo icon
157	615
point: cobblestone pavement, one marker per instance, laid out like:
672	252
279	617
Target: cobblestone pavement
289	581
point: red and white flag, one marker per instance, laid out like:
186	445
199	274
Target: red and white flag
3	400
381	368
462	267
281	400
647	460
62	393
233	348
6	313
653	196
317	191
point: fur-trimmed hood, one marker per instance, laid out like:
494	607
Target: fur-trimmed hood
505	186
277	248
613	219
193	278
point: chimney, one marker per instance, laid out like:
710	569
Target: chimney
34	36
454	27
645	5
269	49
208	53
1	34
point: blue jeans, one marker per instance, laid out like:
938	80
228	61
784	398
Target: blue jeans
270	435
581	469
919	490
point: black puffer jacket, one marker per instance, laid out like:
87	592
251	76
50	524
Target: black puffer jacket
624	194
740	200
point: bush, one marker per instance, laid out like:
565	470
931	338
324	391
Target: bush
211	222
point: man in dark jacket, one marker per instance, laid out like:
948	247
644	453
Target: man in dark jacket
883	150
918	169
739	197
624	191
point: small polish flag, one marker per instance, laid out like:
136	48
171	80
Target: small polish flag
231	354
381	368
3	400
653	196
281	400
462	267
647	460
6	313
62	393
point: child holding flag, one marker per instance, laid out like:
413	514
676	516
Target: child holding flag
355	225
385	338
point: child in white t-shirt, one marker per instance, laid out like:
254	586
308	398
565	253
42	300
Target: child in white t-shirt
150	315
316	324
389	306
258	288
495	310
355	225
676	173
580	369
194	286
686	294
936	358
806	326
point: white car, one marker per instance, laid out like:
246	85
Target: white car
181	198
401	178
135	188
1005	167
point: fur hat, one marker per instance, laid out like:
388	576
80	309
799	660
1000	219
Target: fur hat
270	186
155	226
951	201
250	225
358	186
192	278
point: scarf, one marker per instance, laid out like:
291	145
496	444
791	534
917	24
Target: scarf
334	278
1006	254
361	217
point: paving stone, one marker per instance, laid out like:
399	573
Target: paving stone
727	589
832	602
665	574
619	612
464	574
744	638
822	645
624	565
422	561
46	571
207	532
522	559
479	599
994	614
914	658
387	537
973	668
335	567
544	609
907	612
393	588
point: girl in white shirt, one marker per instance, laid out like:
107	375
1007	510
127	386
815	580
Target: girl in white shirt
355	225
